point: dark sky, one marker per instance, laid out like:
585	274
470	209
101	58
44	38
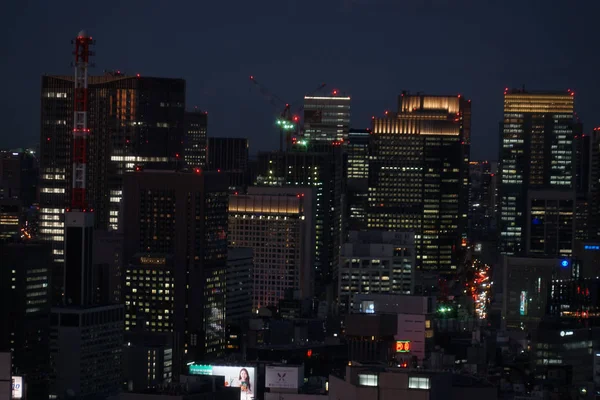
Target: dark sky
370	49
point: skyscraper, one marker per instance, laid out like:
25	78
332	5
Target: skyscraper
182	215
196	125
81	365
133	120
326	118
418	175
357	179
481	200
323	172
278	224
229	155
536	153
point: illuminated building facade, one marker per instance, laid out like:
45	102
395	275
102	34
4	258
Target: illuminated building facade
357	179
150	320
196	126
229	155
182	215
419	173
150	293
278	225
326	118
536	152
379	262
133	120
323	172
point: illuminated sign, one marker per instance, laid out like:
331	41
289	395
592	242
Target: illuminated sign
283	377
566	333
242	377
17	387
153	260
564	263
368	307
402	346
523	303
591	247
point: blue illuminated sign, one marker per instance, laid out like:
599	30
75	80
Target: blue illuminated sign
564	263
591	247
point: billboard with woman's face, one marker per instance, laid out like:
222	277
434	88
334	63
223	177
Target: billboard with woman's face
242	377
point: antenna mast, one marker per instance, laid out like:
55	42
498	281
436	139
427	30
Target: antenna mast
80	120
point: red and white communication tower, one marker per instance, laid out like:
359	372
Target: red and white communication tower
80	121
79	219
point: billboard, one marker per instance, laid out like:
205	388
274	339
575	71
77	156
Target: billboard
279	377
17	387
402	346
242	377
523	303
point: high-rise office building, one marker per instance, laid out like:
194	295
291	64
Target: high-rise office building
278	225
357	179
326	118
377	262
155	353
85	351
25	272
594	189
418	175
481	200
587	174
150	320
19	176
229	155
550	227
18	192
133	120
323	172
196	125
536	153
182	215
240	285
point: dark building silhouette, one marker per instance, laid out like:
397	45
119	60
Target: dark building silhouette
481	200
196	125
229	155
25	273
18	193
176	231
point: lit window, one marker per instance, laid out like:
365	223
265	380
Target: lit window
418	382
367	379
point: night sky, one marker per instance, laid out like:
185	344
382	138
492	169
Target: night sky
369	49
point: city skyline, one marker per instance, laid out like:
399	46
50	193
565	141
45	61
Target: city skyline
497	54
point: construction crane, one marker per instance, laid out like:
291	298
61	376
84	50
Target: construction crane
287	121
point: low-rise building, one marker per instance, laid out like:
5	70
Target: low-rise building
364	382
